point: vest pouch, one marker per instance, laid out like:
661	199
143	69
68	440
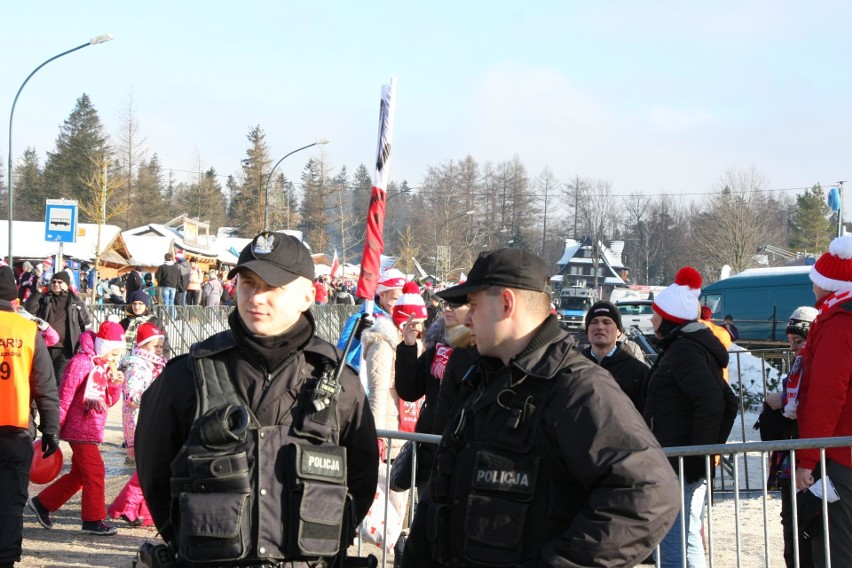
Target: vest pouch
317	498
501	489
214	527
228	473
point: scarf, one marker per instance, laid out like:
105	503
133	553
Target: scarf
151	358
272	351
94	396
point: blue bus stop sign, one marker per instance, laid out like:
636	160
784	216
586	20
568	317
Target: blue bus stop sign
60	221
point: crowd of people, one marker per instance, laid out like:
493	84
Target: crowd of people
551	450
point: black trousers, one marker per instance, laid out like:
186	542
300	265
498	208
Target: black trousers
60	360
16	456
805	553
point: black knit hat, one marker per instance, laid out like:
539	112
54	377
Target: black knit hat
62	275
607	309
8	290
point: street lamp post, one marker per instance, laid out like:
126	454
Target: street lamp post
437	242
269	178
94	41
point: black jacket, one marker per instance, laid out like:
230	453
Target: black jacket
687	402
169	276
168	409
629	372
414	379
132	282
538	473
77	318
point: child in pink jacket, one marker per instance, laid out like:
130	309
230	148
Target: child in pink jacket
144	364
90	384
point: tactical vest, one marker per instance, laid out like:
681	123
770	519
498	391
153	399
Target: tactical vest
17	349
245	492
498	495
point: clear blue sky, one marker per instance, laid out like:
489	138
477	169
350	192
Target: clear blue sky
653	96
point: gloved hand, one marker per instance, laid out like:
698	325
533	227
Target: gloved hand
49	444
42	325
383	450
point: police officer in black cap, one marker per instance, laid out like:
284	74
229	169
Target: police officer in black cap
544	461
251	450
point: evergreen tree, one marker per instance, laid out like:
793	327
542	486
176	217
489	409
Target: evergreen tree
812	228
203	200
81	139
247	203
148	205
29	188
314	211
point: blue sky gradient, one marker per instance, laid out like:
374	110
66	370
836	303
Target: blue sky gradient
653	96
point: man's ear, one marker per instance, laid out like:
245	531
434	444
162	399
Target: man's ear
509	301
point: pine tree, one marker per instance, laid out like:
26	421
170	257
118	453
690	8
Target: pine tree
203	200
812	228
81	139
29	188
148	205
315	218
247	202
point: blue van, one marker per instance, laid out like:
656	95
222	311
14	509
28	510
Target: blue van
760	299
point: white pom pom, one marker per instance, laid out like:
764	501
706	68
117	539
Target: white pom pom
841	247
113	318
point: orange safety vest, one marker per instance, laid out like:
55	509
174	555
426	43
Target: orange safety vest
17	348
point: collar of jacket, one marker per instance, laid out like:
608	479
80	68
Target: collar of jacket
545	355
226	340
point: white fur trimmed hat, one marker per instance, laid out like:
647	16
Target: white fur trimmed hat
679	302
833	270
148	332
110	336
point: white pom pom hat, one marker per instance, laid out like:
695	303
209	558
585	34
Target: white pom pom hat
110	336
833	270
679	302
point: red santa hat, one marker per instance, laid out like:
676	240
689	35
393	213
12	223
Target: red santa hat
110	336
391	278
833	270
410	303
148	332
679	302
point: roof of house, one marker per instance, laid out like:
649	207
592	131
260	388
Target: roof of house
28	241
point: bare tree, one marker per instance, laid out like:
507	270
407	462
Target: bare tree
100	202
597	211
637	208
735	223
130	149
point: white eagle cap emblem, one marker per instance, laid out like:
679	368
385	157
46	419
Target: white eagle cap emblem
263	244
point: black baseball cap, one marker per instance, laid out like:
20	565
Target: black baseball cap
506	268
607	309
277	258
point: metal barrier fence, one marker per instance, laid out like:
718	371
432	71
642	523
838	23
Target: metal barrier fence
732	537
186	325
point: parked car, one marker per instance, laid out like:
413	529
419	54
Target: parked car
636	313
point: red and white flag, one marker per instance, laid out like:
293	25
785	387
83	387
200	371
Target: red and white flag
371	260
335	266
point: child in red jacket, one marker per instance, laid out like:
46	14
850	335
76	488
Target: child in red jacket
90	384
